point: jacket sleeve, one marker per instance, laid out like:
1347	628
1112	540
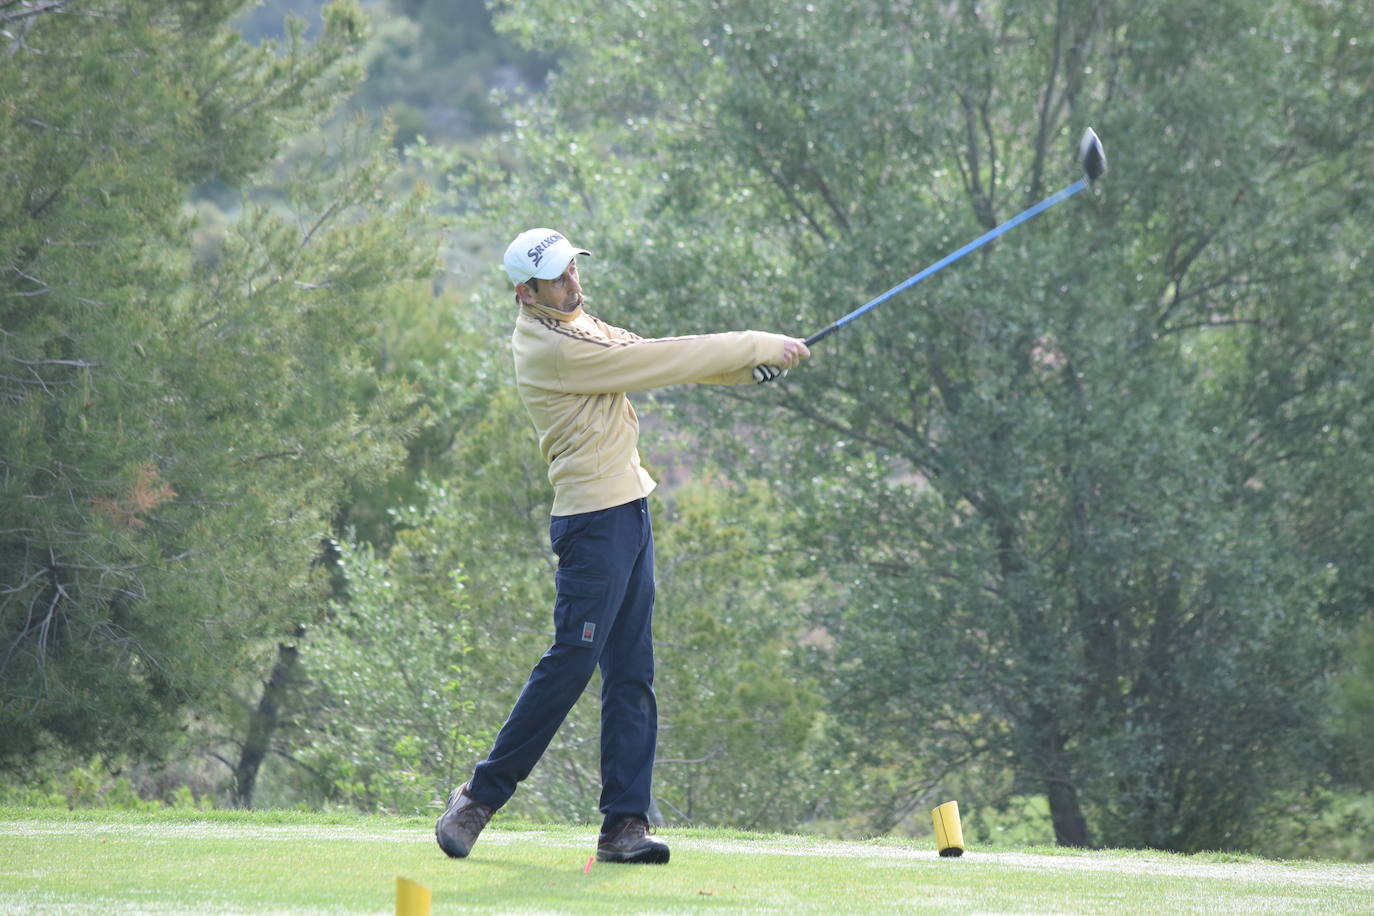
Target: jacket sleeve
585	366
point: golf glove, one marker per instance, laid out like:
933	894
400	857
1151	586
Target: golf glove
767	373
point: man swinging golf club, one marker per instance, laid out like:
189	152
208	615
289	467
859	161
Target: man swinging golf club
573	371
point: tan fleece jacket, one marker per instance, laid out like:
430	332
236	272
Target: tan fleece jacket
573	370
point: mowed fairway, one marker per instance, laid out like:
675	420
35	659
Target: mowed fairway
233	862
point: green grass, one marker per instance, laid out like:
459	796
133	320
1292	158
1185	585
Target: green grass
288	862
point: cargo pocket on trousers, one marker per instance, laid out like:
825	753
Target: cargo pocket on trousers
578	609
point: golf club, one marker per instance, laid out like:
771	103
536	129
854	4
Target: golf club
1094	162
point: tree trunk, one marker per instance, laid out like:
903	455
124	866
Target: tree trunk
264	722
1070	827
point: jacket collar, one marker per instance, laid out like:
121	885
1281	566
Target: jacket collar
541	311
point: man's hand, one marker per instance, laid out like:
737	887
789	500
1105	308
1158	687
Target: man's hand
793	352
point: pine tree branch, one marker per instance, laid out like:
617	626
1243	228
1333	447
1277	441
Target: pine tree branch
79	363
28	11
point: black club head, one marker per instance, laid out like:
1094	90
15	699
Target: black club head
1092	156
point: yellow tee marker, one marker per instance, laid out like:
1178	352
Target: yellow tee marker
949	836
411	899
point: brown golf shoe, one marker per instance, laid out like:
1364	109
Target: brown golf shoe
458	827
629	842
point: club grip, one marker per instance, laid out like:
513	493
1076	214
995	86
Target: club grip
821	335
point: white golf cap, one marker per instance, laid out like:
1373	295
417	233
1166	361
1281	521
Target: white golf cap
541	253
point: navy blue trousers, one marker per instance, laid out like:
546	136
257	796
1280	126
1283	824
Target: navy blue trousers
602	616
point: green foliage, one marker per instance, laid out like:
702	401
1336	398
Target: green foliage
438	61
742	719
1335	826
427	647
391	669
1084	519
432	65
96	783
424	658
1016	821
1096	497
1354	711
177	432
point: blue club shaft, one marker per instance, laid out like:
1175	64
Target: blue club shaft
949	259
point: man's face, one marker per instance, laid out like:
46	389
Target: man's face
563	293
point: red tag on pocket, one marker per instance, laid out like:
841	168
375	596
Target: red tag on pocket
589	632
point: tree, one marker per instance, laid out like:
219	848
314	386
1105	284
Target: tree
419	660
422	660
432	65
177	432
743	720
397	709
1076	486
441	61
